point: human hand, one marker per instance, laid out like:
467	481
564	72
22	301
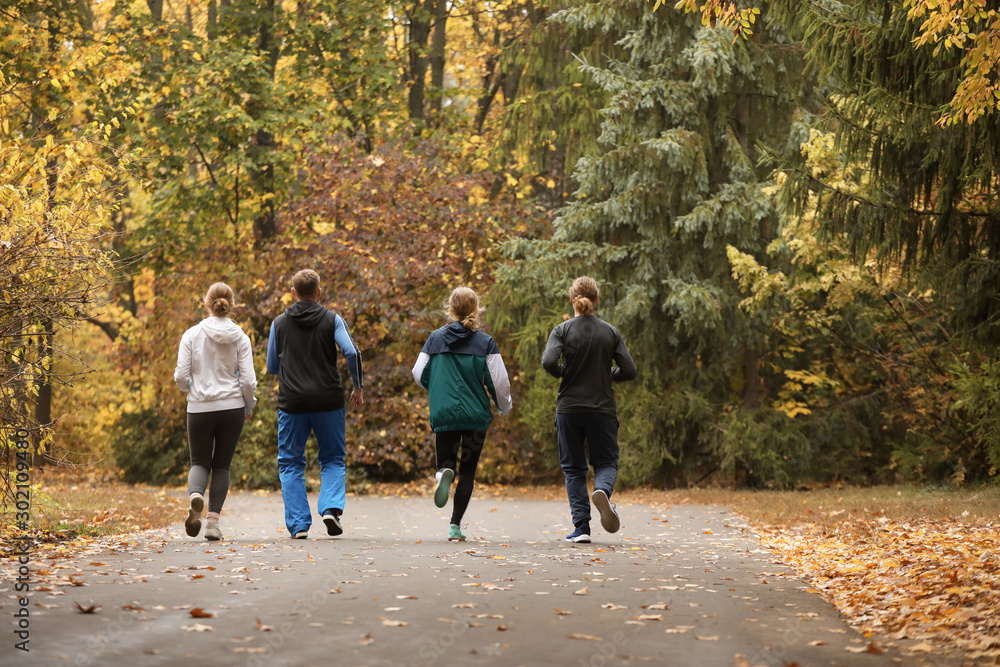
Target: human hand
247	416
357	397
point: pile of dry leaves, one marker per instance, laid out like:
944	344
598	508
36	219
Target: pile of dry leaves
937	581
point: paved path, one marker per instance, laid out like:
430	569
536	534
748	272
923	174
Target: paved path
679	585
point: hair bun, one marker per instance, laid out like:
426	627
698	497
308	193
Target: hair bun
220	299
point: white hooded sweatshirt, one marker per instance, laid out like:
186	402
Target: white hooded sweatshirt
215	367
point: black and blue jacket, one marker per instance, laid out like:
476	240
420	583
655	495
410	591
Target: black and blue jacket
302	352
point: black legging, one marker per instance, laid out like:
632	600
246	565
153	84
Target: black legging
466	461
212	437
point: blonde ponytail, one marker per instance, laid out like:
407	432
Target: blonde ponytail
463	306
584	295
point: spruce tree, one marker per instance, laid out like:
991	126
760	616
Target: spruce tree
927	198
675	180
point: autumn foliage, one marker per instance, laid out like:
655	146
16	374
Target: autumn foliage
391	233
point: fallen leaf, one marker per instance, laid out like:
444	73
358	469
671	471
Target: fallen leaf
250	649
406	597
198	627
577	635
502	628
392	623
922	647
367	639
659	605
560	612
88	610
817	642
713	638
650	617
582	591
612	605
263	628
464	605
198	612
867	648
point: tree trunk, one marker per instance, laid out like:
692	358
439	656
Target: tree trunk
751	378
46	340
437	58
264	225
156	9
419	34
212	25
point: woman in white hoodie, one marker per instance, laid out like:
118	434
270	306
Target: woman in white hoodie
215	370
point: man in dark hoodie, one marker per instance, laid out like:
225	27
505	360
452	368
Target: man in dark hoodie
302	352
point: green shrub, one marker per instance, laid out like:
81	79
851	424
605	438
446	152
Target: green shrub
151	447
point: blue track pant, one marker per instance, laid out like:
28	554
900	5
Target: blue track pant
293	431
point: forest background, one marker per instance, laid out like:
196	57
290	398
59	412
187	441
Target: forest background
790	209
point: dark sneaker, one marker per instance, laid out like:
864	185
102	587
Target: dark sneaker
333	526
443	486
581	534
609	517
193	522
212	532
301	535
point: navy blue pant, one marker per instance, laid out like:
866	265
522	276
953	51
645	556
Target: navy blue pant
600	432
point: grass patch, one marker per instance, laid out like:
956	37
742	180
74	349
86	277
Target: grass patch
61	506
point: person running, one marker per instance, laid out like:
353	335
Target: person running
215	370
585	406
302	352
461	369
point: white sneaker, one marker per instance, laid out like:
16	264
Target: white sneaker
609	517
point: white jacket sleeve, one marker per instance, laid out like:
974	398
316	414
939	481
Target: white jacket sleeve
501	383
418	368
182	374
248	376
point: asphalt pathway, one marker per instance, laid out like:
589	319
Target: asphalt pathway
678	585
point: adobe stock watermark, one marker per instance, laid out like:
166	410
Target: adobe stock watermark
23	542
433	649
277	637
